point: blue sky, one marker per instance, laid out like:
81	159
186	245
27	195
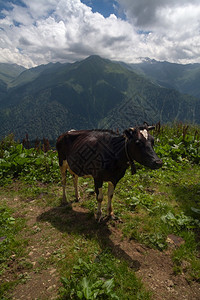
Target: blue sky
7	4
34	32
104	7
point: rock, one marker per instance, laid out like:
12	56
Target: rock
169	283
174	241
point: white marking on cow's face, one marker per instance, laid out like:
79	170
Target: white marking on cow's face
144	133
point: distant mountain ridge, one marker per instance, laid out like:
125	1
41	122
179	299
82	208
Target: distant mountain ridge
9	72
92	93
183	78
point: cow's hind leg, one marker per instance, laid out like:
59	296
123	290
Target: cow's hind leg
63	169
111	188
99	195
75	180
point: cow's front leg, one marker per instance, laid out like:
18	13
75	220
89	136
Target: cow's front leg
111	189
63	169
99	196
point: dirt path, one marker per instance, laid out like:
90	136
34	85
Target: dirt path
46	233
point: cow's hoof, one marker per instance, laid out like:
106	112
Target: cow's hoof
114	218
78	199
98	218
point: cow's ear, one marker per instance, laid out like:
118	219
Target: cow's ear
128	133
151	128
132	133
146	126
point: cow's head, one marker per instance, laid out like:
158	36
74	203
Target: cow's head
140	146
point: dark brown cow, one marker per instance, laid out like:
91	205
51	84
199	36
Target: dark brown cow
105	156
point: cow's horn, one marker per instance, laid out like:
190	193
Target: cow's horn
151	127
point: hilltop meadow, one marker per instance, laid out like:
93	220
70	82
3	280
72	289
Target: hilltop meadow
151	252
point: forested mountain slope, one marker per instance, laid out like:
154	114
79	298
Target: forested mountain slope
50	99
183	78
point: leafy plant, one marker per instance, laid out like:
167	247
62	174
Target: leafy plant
28	164
180	221
155	240
179	143
84	283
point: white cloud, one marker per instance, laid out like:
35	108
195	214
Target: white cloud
68	30
174	26
151	13
14	56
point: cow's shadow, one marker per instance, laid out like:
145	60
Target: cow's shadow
72	221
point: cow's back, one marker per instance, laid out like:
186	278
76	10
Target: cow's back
89	152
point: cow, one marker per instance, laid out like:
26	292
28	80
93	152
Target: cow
105	156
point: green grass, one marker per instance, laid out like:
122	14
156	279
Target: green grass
151	204
12	245
101	276
9	228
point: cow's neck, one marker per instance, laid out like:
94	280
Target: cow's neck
129	159
120	148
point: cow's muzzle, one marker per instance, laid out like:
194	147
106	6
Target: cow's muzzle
157	164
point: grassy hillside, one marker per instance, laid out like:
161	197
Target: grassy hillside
151	252
93	93
183	78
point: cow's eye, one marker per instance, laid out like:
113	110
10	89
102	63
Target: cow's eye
139	143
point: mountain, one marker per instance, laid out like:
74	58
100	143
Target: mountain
92	93
8	72
183	78
31	74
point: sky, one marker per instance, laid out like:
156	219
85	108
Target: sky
34	32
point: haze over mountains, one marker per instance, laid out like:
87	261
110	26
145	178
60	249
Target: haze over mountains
95	93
